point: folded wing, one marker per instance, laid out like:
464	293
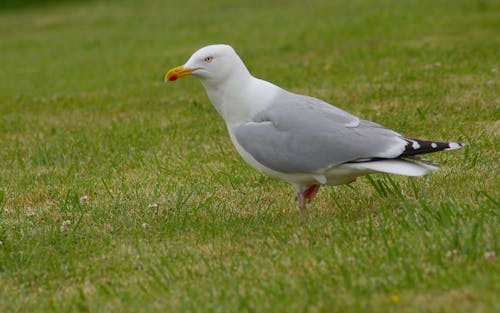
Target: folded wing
300	134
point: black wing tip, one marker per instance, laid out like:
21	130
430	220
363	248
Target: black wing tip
454	145
418	146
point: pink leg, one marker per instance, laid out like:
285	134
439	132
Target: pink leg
305	196
302	203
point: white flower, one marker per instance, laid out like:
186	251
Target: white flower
84	200
153	206
145	225
65	224
452	253
490	256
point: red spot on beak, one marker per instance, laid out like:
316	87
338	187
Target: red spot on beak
172	78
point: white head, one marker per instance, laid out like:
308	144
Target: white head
213	64
229	85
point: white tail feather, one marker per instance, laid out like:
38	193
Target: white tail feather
397	166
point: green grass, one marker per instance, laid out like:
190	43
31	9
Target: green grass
84	112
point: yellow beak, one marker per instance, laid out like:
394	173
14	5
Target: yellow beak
177	72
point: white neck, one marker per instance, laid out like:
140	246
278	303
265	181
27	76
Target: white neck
240	96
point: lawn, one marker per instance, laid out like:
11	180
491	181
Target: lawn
120	193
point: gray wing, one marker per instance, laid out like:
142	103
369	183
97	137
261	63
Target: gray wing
300	134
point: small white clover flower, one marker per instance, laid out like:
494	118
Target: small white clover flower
490	256
30	213
84	200
153	206
65	224
452	253
145	225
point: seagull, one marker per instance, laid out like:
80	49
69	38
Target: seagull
302	140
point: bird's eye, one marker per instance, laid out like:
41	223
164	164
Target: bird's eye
208	59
